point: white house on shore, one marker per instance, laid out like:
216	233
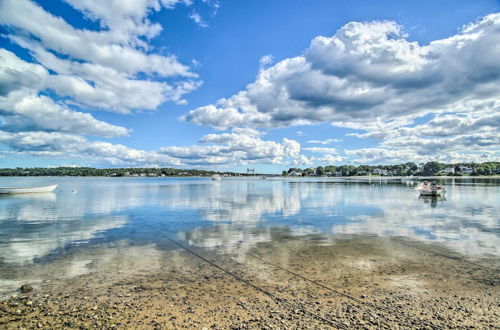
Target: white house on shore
466	170
449	170
379	171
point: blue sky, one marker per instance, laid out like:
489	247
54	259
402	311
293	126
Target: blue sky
237	84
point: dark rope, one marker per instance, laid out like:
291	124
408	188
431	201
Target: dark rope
241	279
341	293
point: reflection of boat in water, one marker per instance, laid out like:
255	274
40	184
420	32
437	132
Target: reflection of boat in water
432	199
27	190
216	177
433	188
39	197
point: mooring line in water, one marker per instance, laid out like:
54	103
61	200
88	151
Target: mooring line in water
372	305
261	290
459	259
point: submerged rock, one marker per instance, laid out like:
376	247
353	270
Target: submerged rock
26	288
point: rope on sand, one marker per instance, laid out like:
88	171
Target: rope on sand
371	305
317	316
257	288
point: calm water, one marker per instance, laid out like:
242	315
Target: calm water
231	216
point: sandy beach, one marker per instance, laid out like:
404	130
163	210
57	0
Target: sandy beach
351	282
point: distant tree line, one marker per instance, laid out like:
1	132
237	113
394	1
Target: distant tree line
407	169
111	172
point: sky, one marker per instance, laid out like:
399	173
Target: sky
231	85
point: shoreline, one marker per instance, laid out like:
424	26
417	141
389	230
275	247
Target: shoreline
354	282
258	176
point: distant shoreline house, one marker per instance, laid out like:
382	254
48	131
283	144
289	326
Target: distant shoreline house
379	171
466	170
449	170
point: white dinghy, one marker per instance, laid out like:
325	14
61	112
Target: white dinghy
27	190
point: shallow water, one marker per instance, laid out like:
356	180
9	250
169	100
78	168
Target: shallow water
86	222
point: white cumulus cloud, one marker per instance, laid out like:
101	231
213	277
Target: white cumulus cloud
242	146
23	110
369	77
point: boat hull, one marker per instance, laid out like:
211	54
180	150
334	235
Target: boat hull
431	193
27	190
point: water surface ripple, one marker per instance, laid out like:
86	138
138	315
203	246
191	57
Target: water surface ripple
85	217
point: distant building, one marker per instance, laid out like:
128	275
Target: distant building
449	170
466	170
295	173
379	171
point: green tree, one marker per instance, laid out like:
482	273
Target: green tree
483	170
330	169
433	168
348	170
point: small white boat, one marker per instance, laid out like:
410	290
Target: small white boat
216	177
427	188
27	190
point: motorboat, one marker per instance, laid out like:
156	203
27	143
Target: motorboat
216	177
433	188
27	190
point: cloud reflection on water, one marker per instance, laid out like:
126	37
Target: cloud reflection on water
465	221
234	215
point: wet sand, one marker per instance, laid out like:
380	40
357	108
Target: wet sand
315	282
